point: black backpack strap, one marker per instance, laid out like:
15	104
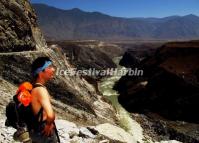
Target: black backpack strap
39	116
38	85
17	115
57	134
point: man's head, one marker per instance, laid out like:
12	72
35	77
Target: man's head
42	68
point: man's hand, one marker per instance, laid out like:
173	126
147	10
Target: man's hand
48	129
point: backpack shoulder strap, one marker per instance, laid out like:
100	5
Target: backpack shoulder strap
38	85
39	116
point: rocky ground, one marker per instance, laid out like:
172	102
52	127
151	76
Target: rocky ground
69	132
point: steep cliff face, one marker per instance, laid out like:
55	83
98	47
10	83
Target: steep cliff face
74	98
18	27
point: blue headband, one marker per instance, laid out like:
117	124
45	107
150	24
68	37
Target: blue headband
47	63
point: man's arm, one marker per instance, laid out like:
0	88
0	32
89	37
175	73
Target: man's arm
44	99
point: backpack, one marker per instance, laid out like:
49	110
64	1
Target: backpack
18	111
20	115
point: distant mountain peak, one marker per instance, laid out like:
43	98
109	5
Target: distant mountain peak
76	10
191	15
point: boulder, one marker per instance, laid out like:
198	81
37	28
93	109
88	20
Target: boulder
115	133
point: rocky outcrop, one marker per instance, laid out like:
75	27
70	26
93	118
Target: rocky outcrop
135	52
133	58
169	85
18	27
117	134
130	59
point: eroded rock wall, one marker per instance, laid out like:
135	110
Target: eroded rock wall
18	27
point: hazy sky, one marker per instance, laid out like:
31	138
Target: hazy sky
130	8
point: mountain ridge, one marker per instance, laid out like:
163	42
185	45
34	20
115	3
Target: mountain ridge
76	24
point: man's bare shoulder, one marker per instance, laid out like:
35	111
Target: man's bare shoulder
39	91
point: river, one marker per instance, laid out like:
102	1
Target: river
126	122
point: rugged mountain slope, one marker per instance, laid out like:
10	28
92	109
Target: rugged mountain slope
22	33
168	88
75	99
171	76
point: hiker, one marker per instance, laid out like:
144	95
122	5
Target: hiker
45	131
